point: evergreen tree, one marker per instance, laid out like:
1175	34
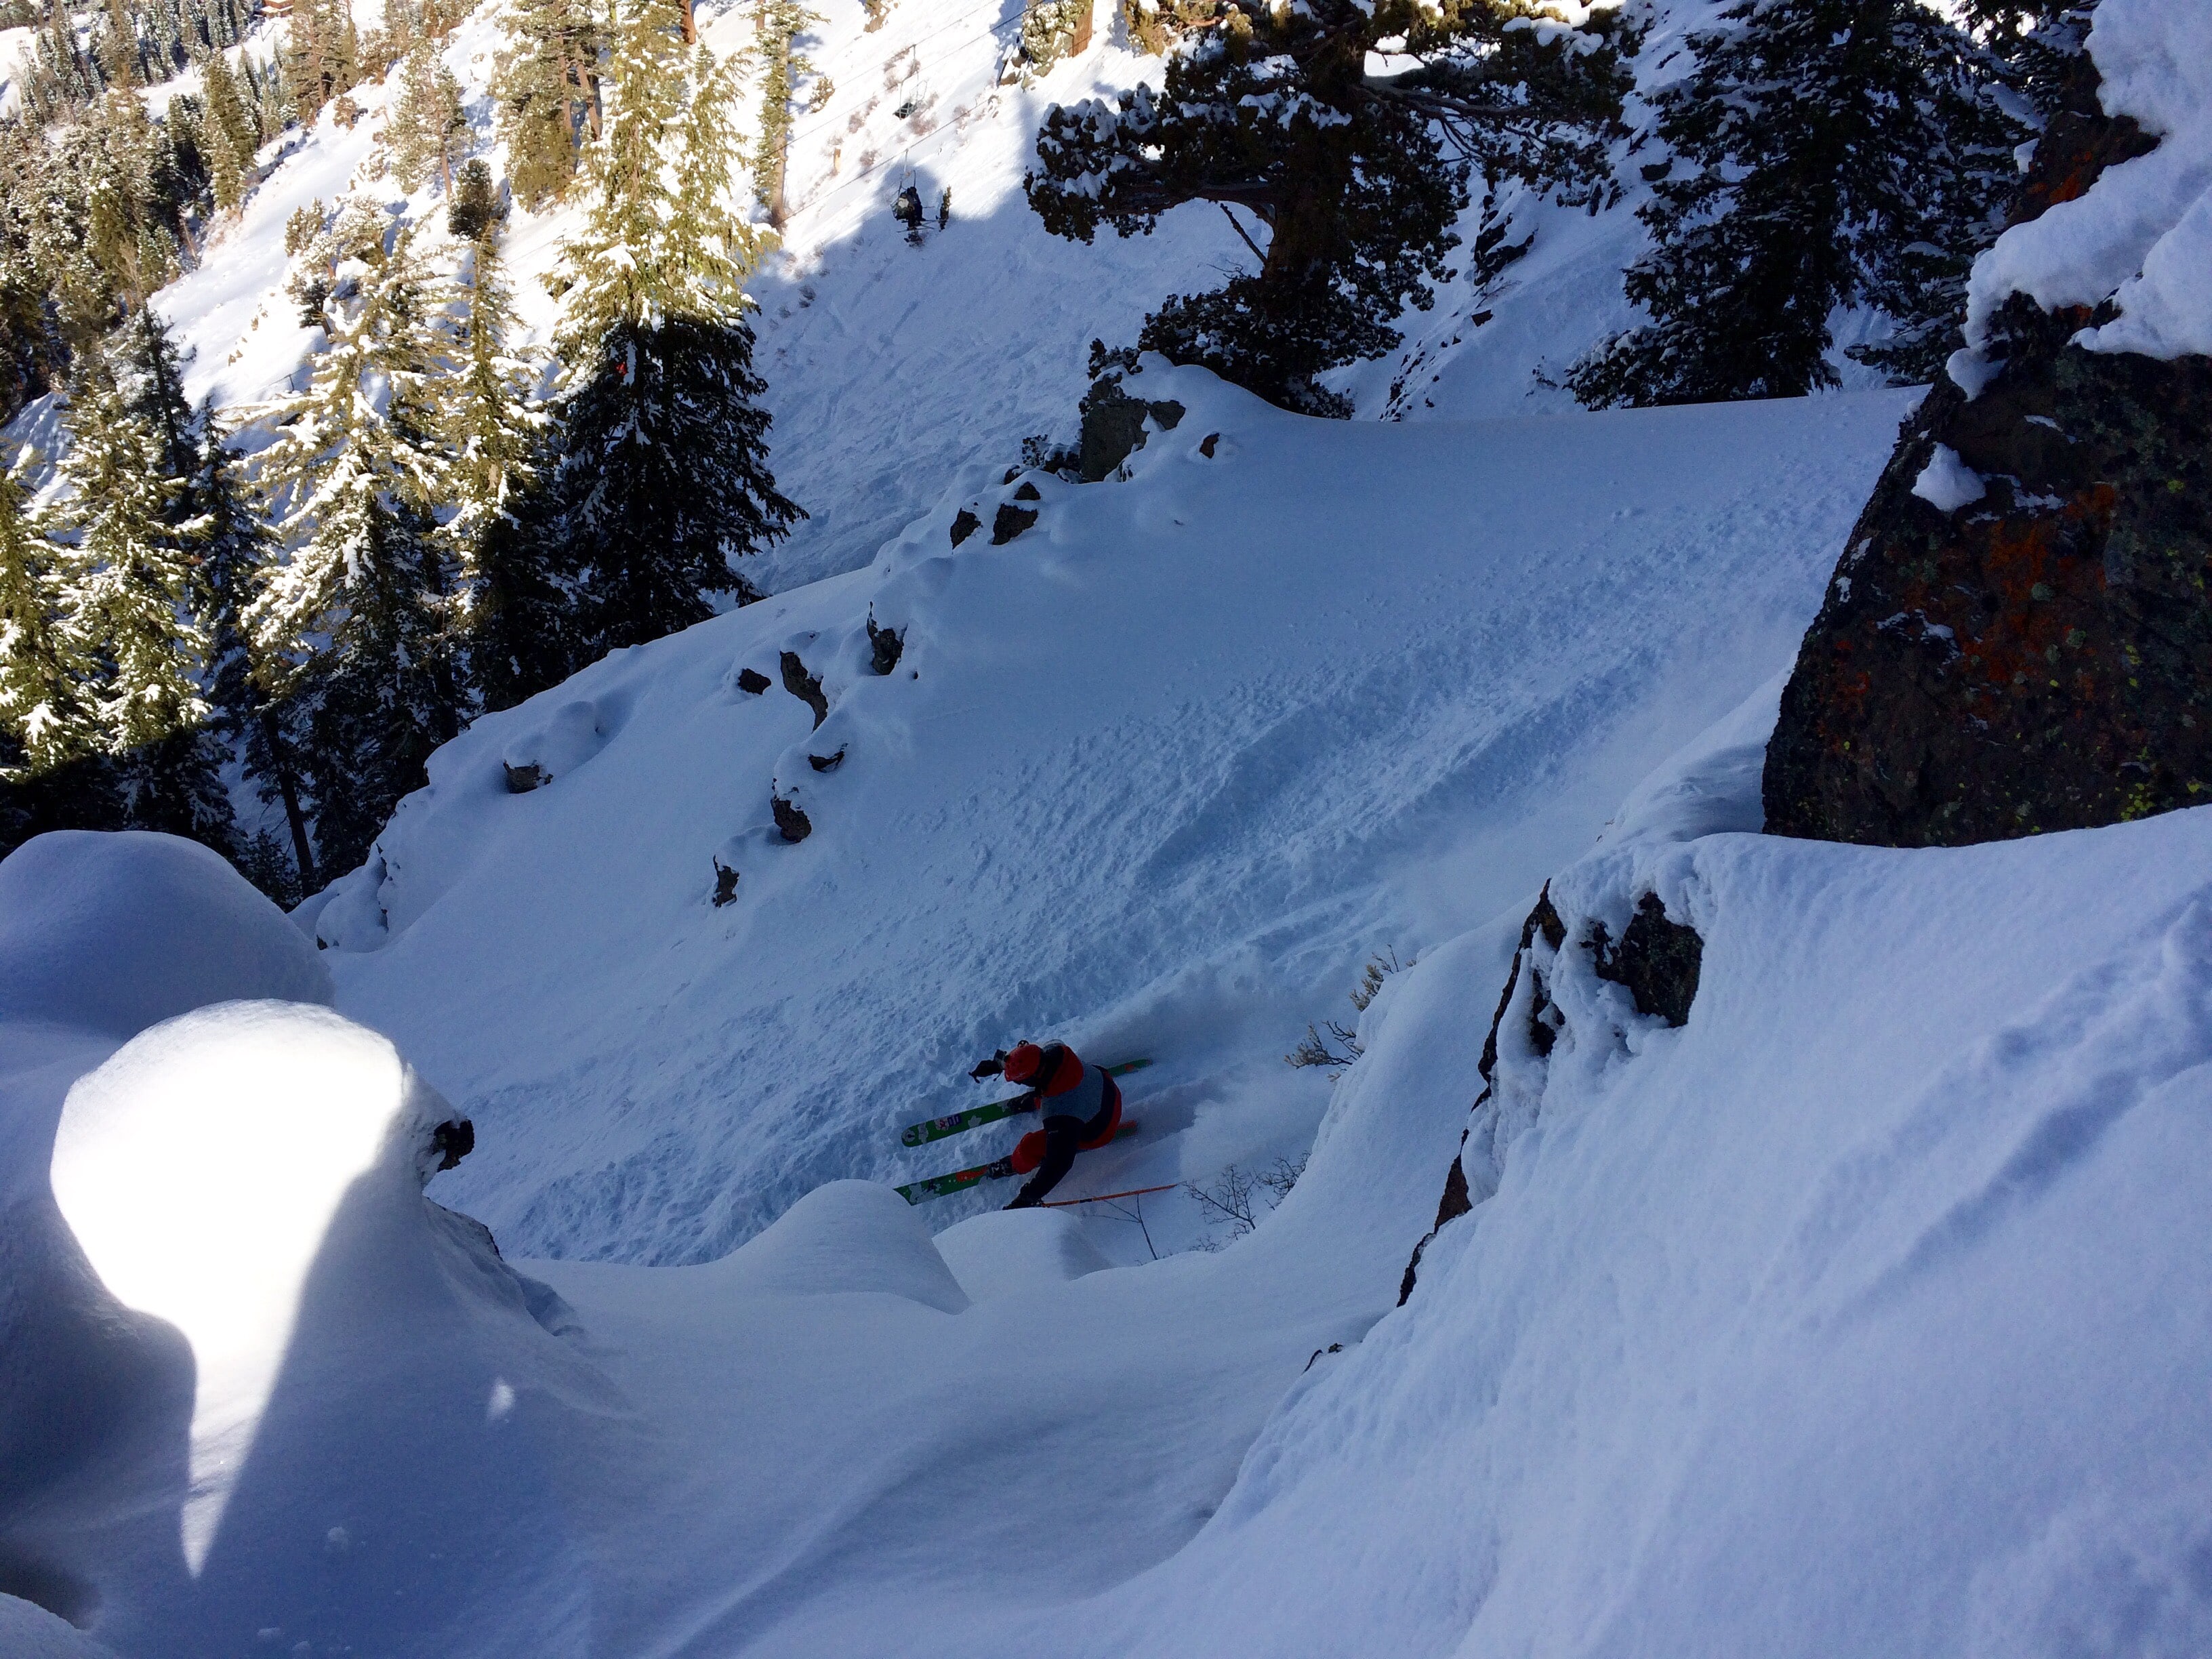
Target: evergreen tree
155	395
226	109
261	729
1270	111
546	87
514	610
42	663
133	602
128	232
52	776
428	130
30	350
322	60
777	25
354	622
663	478
1826	153
474	212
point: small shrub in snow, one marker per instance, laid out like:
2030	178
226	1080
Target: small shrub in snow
1237	1198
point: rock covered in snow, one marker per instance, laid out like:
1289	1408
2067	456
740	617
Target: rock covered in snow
113	933
374	1407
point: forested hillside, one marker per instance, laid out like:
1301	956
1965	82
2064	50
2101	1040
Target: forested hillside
500	404
1109	826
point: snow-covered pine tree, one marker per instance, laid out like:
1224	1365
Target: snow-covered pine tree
235	545
777	25
546	88
514	608
1824	153
323	55
42	665
1354	178
132	602
53	775
29	350
354	622
663	478
473	211
226	111
427	131
127	231
152	383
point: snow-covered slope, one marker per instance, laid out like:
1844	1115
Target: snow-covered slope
1855	1317
1155	776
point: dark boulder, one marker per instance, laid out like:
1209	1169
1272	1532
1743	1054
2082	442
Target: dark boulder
791	820
453	1142
884	645
752	682
806	687
726	885
2041	657
1011	521
1657	960
965	525
1114	427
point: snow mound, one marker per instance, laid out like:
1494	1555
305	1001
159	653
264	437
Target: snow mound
1848	1318
845	1238
574	733
2142	235
113	933
371	1396
1007	1252
29	1632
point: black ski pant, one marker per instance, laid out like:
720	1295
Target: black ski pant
1063	1137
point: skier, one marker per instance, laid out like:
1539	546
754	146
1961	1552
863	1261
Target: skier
1082	1108
906	210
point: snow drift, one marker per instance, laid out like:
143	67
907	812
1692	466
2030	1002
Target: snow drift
247	1366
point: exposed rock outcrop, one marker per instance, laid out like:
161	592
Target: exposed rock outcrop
1656	961
2018	635
791	820
806	687
1114	427
885	645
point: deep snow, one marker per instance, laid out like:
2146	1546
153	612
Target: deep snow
1156	776
1862	1315
1854	1317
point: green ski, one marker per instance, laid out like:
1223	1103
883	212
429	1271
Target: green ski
917	1192
937	1128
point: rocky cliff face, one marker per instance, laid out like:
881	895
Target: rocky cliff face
2039	656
